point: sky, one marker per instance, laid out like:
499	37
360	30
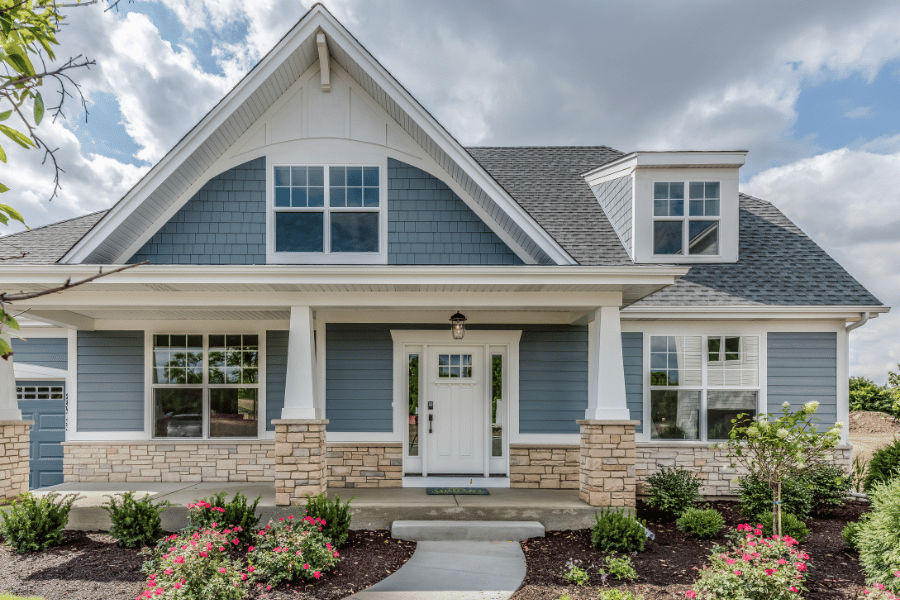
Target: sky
810	89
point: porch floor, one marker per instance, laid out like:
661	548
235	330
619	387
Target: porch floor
372	508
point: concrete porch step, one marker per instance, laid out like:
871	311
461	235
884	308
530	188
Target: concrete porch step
472	531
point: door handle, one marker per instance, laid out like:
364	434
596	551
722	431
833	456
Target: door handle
430	419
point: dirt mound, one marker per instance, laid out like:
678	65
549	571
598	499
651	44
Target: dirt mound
871	422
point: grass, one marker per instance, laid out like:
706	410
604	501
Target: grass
11	597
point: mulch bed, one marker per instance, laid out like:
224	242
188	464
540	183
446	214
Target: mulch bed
667	566
90	566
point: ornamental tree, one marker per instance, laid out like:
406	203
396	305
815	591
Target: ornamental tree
775	449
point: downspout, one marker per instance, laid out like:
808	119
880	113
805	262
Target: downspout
863	317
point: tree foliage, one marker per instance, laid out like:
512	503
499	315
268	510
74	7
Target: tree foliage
866	395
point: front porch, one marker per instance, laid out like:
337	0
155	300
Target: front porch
372	508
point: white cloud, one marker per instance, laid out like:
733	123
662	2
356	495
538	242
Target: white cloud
860	112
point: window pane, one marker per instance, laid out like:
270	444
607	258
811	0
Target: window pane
675	361
282	196
660	208
315	196
315	176
177	359
697	208
676	191
298	197
675	414
714	345
722	407
354	176
354	232
298	232
712	208
696	190
338	197
178	412
739	366
667	237
282	176
370	177
732	348
354	197
337	176
496	405
370	197
704	237
298	176
233	412
660	191
712	189
413	404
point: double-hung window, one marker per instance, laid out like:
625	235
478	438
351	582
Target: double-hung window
686	226
698	384
327	210
205	386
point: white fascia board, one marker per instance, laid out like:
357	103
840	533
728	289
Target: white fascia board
847	313
683	159
30	372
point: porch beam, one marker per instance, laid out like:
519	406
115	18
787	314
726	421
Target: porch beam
62	318
606	372
300	381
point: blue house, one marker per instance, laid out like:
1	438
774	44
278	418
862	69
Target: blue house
338	294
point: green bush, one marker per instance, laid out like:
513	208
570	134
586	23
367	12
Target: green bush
702	523
617	595
135	523
292	549
756	496
36	523
616	531
235	514
335	515
850	533
575	573
790	525
883	466
829	484
673	491
878	536
619	568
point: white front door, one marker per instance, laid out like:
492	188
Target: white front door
455	416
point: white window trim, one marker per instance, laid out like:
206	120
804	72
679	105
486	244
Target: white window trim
703	388
328	257
685	220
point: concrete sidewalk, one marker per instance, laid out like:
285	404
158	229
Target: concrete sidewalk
454	571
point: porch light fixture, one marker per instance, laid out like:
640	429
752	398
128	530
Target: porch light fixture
458	326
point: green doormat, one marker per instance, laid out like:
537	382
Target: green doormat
457	491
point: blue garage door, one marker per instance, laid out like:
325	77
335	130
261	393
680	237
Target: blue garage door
44	403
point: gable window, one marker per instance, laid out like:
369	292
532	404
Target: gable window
205	386
694	394
327	209
686	226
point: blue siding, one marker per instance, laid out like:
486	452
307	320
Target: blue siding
276	373
359	378
429	224
224	223
44	352
110	381
633	358
803	367
553	378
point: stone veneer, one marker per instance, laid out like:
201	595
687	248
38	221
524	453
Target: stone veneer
365	465
607	476
544	466
14	457
299	460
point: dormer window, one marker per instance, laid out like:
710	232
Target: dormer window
695	233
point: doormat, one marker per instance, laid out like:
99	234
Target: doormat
457	491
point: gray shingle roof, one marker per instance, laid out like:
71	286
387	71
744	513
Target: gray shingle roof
47	244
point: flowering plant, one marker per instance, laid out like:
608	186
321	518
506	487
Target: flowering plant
290	549
235	513
196	566
878	591
755	568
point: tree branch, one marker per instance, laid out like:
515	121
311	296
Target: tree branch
8	298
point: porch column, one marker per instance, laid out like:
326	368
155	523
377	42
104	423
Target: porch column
607	459
300	467
14	458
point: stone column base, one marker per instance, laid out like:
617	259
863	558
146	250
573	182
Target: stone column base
300	463
607	475
14	457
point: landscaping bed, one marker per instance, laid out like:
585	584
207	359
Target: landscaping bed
666	568
90	566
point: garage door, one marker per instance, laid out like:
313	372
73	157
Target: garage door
44	403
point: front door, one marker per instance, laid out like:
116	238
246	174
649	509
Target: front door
455	423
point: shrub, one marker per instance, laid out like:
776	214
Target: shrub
36	523
878	536
135	523
673	491
616	531
705	523
756	496
850	533
883	466
233	514
865	394
618	595
829	484
196	566
790	525
858	473
336	517
574	573
620	568
756	568
290	549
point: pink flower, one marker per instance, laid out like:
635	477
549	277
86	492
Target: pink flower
747	557
335	554
235	541
757	532
221	548
290	517
179	560
800	566
222	570
691	594
158	591
268	587
306	567
795	590
317	574
738	573
781	561
250	549
730	561
771	572
168	571
177	586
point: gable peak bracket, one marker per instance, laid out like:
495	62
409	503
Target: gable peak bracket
324	64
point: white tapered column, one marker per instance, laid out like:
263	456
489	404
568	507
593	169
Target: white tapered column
606	372
300	382
9	404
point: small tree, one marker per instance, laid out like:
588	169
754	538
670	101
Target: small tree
776	449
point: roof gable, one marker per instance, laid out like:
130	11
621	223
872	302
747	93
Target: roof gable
172	181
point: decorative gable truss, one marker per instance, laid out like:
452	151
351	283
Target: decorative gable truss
284	111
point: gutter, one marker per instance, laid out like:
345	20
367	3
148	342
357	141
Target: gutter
863	318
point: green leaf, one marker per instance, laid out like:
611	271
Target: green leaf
5	115
2	154
16	136
38	109
5	349
3	188
13	213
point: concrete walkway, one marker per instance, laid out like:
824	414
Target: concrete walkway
454	571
